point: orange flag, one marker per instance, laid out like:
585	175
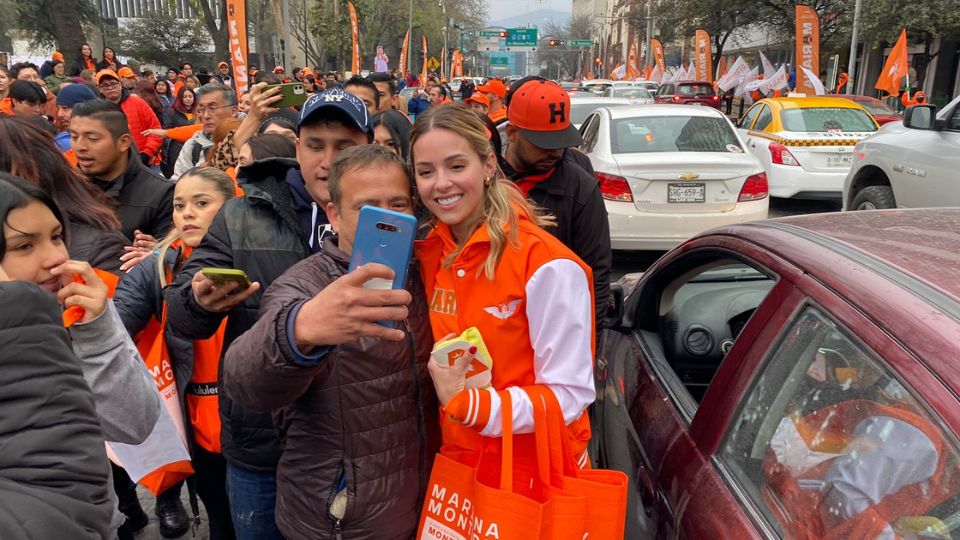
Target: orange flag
657	47
896	67
704	58
632	72
423	73
808	47
237	30
722	67
403	53
355	30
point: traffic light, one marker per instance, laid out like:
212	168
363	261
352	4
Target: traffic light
504	34
554	42
598	61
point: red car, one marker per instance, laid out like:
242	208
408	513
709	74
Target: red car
880	111
796	378
688	93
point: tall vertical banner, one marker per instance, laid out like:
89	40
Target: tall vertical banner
456	64
237	28
423	72
403	54
355	30
808	47
704	58
657	47
633	71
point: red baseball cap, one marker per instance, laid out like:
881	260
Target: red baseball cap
540	110
495	87
478	97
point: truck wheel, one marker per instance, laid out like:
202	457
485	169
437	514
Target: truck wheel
874	198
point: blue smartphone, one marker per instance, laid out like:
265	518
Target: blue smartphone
385	237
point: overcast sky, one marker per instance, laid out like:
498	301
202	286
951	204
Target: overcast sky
501	9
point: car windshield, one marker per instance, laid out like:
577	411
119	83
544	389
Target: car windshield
632	93
826	119
596	88
694	89
580	111
672	134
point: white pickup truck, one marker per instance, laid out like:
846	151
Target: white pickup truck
909	164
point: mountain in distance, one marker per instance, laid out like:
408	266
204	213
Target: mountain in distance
538	18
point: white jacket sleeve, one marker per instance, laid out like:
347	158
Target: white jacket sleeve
185	159
559	309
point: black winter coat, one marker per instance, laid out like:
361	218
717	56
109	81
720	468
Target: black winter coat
144	198
366	413
572	196
102	249
262	234
54	475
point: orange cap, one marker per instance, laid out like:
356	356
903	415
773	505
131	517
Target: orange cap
106	73
57	56
540	110
495	87
126	72
221	64
478	97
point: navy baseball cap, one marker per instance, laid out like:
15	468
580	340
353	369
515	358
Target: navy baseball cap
339	103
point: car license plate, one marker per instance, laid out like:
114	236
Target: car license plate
687	192
696	103
840	161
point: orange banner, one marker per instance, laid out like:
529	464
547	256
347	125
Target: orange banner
657	47
704	58
633	72
808	47
355	30
403	53
896	67
456	64
722	67
237	28
423	72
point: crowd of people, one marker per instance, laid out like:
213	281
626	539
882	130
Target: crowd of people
303	417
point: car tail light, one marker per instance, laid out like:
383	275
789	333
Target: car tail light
715	97
781	156
676	98
755	188
614	188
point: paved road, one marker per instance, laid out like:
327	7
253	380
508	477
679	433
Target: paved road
625	262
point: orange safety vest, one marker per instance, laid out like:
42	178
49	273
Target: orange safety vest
456	305
829	430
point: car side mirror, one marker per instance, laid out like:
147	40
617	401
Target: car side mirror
921	117
614	315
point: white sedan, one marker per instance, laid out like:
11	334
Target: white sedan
669	172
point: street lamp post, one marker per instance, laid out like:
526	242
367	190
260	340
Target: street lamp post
649	32
852	65
443	53
406	68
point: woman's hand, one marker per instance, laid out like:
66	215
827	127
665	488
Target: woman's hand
91	294
262	100
448	380
133	257
162	133
143	241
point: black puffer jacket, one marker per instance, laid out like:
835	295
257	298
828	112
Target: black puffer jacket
144	198
366	413
262	233
54	474
102	249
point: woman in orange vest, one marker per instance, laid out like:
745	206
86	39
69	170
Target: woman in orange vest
198	197
487	264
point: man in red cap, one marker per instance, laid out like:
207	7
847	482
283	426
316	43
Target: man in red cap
540	160
496	92
478	102
140	116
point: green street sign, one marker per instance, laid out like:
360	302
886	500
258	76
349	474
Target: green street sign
490	33
522	37
499	61
580	43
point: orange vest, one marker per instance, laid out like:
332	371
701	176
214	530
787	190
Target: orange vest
800	511
457	304
498	116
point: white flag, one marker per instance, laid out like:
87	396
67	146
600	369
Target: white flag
733	76
780	79
656	75
768	68
750	76
814	81
776	81
620	72
691	71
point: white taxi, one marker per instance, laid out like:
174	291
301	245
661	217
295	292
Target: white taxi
805	144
